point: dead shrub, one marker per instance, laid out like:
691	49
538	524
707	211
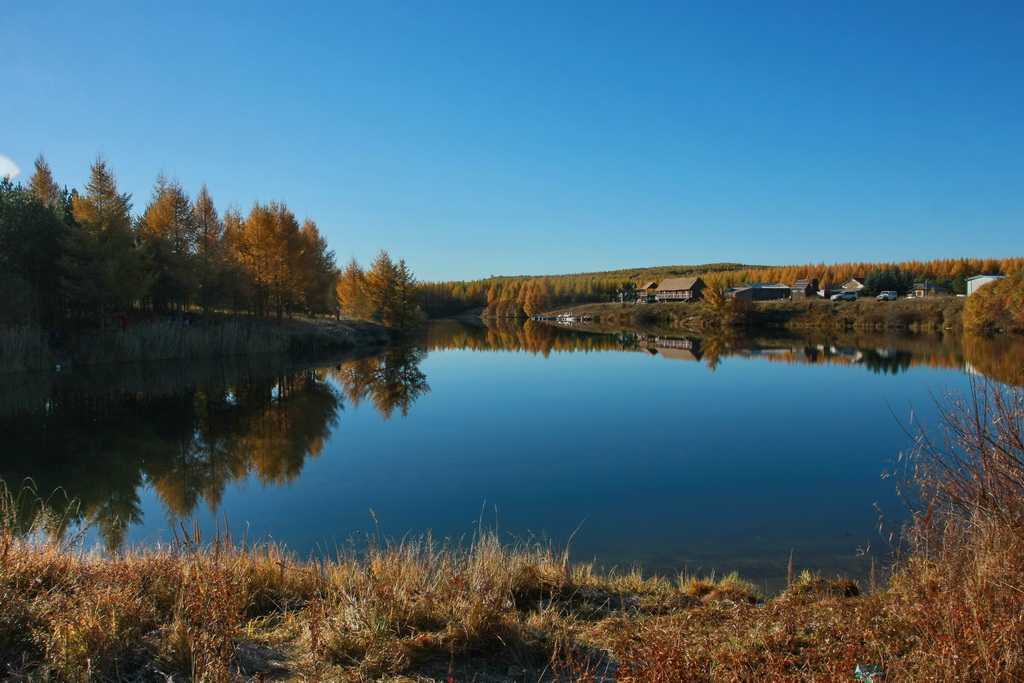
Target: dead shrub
962	579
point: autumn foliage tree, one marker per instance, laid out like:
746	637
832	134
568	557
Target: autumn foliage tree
103	269
536	296
42	184
211	263
998	305
317	272
169	236
392	290
268	249
351	291
85	256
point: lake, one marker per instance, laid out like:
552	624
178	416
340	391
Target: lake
678	453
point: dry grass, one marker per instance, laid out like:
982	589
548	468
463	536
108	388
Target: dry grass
423	610
916	315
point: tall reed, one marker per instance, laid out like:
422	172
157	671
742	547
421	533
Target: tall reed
170	340
23	347
964	578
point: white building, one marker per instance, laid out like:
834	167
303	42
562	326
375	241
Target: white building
973	283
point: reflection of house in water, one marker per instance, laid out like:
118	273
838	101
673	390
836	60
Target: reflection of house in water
851	354
802	354
884	357
768	351
673	349
679	354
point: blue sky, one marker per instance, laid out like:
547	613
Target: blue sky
485	137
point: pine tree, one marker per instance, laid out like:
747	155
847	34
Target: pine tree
380	286
254	250
42	184
317	272
31	236
406	314
237	283
211	258
393	291
351	291
287	262
103	269
169	237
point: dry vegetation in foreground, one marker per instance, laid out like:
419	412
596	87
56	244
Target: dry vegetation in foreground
422	610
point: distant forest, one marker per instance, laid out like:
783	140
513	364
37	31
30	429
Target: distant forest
529	295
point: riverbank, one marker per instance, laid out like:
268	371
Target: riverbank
914	315
25	348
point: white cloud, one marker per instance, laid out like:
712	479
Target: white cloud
8	168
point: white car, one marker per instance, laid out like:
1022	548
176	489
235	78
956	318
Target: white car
888	295
844	296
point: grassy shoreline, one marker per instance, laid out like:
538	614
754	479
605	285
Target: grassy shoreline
913	315
426	611
25	348
413	610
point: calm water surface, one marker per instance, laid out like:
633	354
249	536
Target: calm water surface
678	454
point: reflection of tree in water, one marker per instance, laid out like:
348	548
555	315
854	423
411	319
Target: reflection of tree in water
101	445
265	429
887	361
390	381
1000	357
878	352
714	347
513	334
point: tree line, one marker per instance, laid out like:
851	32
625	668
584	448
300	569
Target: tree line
69	255
526	296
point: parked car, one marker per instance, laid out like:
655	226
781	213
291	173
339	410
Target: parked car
844	296
888	295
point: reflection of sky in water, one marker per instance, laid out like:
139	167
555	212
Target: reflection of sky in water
644	458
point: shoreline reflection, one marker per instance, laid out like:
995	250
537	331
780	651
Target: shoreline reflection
189	431
98	443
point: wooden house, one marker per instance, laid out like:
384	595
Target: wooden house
646	293
680	289
759	291
805	289
923	289
854	284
